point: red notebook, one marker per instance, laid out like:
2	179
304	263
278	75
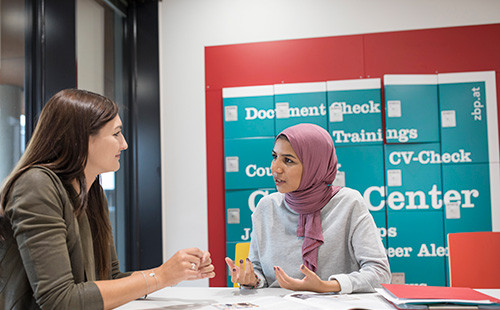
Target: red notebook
437	292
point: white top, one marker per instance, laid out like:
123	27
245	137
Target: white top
352	252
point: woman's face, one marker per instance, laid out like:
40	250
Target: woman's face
105	148
286	167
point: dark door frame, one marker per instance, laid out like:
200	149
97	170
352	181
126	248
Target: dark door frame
51	66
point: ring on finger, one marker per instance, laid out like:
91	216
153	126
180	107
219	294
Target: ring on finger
193	266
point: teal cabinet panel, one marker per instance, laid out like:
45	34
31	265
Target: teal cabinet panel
248	111
381	223
411	108
413	177
355	112
240	205
362	168
300	103
468	111
468	197
248	163
416	247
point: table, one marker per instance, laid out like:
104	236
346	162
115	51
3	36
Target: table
205	298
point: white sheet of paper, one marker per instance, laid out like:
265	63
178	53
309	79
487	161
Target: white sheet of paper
453	210
336	114
339	301
231	113
232	164
233	216
394	108
448	118
282	110
394	177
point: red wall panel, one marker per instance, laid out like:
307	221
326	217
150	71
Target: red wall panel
291	61
457	49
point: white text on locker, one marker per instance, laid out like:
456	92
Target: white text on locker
365	108
429	157
253	113
398	201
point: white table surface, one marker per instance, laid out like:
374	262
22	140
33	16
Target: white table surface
204	298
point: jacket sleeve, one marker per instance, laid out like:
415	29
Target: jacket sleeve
36	212
115	265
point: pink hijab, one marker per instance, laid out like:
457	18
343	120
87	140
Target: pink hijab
314	147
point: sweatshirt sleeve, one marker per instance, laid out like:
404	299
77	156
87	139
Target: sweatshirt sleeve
369	253
36	213
253	254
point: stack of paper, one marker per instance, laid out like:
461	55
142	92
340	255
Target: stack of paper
424	297
367	301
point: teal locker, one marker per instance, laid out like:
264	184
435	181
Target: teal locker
362	168
417	250
240	205
413	177
355	112
248	111
411	108
300	103
248	163
467	197
468	108
380	222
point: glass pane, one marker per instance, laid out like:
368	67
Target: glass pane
100	69
12	142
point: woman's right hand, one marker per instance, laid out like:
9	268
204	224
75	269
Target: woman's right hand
187	264
242	274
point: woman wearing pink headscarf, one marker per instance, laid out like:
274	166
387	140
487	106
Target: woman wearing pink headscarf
311	235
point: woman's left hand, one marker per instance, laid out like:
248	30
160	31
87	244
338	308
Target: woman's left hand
311	281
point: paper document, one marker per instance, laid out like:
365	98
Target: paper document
340	301
262	303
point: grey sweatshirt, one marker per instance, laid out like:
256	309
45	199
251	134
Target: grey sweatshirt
352	252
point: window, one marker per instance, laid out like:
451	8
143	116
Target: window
12	63
99	46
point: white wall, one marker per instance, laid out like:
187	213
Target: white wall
187	26
90	45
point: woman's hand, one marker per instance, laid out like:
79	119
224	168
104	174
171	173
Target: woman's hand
206	268
187	264
242	274
311	281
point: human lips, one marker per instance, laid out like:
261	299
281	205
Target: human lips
278	181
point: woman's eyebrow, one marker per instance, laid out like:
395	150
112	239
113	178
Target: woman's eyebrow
285	155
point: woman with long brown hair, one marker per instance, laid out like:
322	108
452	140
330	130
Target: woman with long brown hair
56	245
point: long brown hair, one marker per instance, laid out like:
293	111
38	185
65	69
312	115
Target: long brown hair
60	143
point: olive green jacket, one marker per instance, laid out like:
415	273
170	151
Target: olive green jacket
47	259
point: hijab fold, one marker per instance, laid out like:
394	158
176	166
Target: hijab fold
314	147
